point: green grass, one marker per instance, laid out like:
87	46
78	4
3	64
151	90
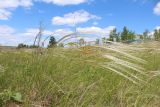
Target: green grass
80	78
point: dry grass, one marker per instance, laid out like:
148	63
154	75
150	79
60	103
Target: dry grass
118	75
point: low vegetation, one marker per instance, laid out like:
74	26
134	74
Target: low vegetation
116	75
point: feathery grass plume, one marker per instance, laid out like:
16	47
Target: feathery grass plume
126	64
122	69
70	77
85	91
2	69
154	73
121	74
117	61
125	54
119	57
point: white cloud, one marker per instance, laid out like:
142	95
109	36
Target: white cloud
4	4
7	6
77	17
62	32
95	23
157	9
158	27
4	30
25	3
33	31
92	33
9	35
4	14
151	34
6	35
96	30
88	39
65	2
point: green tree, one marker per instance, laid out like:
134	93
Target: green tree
131	35
81	42
157	34
52	42
97	41
124	34
145	34
127	35
141	36
104	40
113	34
21	45
33	46
118	37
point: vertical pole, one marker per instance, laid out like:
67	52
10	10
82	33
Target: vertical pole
40	34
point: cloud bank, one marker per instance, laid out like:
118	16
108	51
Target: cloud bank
65	2
157	9
9	36
7	6
71	19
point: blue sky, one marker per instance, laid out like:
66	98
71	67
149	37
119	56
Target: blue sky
19	19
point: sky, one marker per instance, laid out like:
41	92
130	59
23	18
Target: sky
19	19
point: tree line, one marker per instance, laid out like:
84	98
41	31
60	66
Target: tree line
126	36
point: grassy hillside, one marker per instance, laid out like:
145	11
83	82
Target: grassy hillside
110	76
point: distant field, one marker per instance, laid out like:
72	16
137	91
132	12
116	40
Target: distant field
108	76
7	48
